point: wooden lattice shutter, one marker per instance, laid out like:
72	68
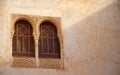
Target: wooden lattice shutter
23	42
49	46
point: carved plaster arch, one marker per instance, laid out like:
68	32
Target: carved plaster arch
55	23
16	18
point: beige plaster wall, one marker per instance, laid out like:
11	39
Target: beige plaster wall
91	35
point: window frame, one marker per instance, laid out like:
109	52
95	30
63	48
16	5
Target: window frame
35	62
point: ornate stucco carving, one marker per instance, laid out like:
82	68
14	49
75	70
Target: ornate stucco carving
23	62
36	21
50	63
16	17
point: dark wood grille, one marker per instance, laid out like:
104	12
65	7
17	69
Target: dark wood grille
49	46
23	42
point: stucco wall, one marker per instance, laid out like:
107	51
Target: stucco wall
91	35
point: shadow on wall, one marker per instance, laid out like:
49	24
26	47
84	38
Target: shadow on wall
93	45
118	5
94	41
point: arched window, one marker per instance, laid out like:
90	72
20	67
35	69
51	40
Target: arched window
23	42
49	46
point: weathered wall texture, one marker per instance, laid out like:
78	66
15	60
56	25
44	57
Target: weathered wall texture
91	35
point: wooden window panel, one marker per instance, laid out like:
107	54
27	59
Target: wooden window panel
23	42
49	47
